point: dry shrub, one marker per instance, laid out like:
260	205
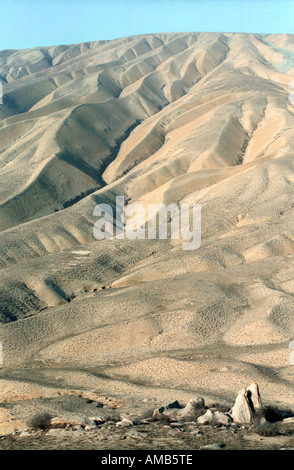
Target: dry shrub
267	429
40	421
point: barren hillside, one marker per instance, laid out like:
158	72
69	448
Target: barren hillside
188	118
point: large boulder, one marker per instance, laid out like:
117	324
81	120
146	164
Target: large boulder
248	405
241	411
254	399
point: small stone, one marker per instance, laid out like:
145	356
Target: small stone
125	422
216	446
196	433
207	418
192	406
288	420
57	432
137	435
90	423
78	434
145	421
172	431
59	423
176	425
97	419
221	418
218	418
128	421
90	427
24	434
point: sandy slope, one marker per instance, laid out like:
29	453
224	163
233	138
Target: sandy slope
195	118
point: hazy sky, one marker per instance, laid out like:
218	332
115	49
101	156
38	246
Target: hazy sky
30	23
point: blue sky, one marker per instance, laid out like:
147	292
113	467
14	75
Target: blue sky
30	23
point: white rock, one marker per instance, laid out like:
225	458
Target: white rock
127	421
221	418
57	432
288	420
216	417
192	406
216	446
207	418
90	423
254	398
97	419
241	411
248	403
89	427
25	434
59	422
124	423
195	432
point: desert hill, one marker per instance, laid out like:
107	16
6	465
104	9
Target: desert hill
198	118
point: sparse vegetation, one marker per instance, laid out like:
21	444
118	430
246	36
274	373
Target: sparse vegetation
267	429
40	421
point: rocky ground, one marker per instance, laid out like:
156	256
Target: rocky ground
153	436
195	426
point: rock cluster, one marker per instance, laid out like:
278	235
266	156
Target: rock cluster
248	405
248	409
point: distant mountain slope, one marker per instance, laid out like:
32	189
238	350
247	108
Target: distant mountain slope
180	117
